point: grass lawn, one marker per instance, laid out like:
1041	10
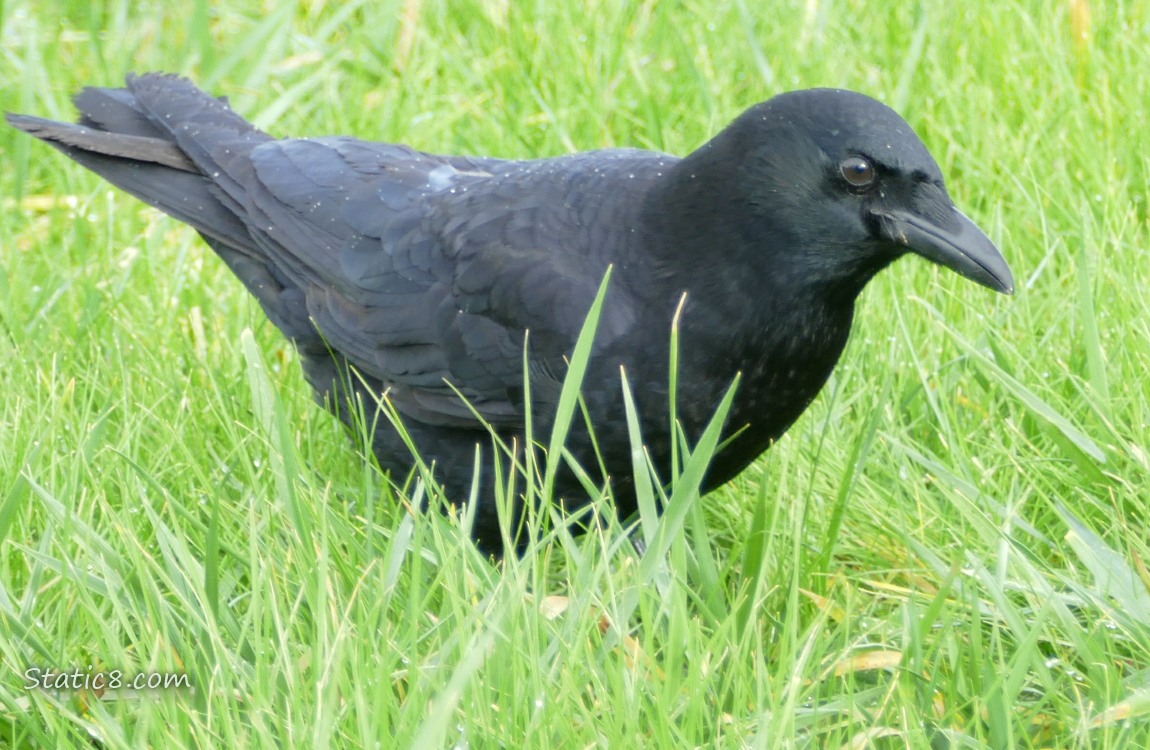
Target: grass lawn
949	549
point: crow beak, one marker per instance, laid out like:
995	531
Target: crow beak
959	245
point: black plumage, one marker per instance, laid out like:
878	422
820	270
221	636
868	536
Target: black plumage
422	273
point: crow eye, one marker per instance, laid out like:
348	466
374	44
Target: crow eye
857	171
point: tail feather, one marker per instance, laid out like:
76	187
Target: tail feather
70	138
140	138
154	171
114	111
186	153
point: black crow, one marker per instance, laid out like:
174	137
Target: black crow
421	279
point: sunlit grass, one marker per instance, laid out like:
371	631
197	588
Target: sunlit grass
948	550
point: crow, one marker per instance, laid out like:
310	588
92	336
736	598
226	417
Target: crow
435	285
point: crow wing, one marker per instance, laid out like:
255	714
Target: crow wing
422	271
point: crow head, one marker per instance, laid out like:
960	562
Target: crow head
830	186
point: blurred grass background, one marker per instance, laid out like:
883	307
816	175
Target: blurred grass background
948	550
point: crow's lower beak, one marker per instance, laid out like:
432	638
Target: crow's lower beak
959	245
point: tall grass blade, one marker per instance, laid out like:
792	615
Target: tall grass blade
569	394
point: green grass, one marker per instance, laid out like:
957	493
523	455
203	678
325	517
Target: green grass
949	549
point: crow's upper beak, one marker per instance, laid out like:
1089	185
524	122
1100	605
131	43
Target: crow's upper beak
956	242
